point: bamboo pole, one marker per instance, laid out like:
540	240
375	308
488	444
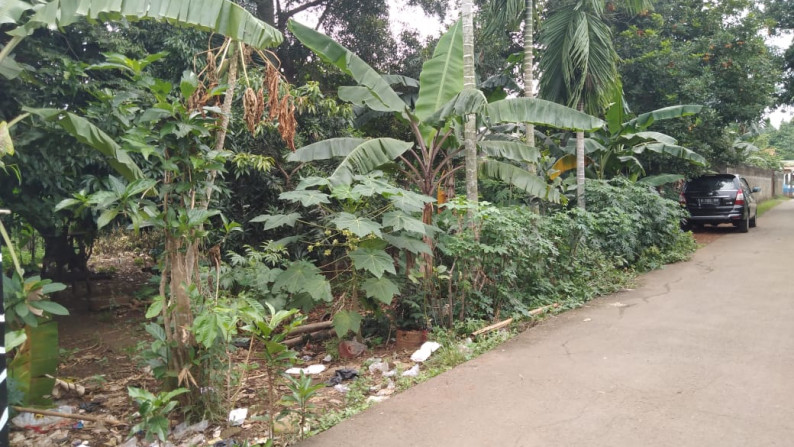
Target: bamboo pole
83	417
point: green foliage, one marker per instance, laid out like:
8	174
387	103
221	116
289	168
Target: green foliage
523	260
153	411
301	392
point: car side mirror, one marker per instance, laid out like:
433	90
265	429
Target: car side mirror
756	189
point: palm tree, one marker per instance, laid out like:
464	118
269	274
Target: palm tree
470	126
579	64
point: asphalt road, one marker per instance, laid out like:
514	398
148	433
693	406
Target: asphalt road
700	354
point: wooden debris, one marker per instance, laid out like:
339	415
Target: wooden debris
311	328
543	309
315	336
83	417
492	327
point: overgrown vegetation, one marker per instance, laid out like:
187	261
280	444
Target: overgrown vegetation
248	235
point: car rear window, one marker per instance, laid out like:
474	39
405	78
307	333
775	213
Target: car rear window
711	184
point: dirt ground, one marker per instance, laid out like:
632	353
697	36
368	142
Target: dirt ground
98	345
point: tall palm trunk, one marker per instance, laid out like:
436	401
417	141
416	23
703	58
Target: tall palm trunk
580	164
529	62
469	130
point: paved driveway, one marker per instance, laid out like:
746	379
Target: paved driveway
701	354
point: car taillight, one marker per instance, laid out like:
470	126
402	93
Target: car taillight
739	198
682	199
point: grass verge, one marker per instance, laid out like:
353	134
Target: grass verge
771	203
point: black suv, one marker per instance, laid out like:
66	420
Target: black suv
720	198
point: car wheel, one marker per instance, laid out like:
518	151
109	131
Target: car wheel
744	225
752	221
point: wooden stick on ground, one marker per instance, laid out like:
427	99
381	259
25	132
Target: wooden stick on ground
541	310
314	327
84	417
492	327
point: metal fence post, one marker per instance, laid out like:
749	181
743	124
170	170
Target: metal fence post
3	371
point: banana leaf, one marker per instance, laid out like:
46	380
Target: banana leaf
37	358
380	95
442	75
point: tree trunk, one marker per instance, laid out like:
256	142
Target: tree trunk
470	130
529	82
580	165
266	11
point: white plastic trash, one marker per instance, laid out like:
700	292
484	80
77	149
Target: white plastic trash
413	372
423	353
237	416
309	370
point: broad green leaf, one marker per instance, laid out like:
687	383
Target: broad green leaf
326	149
296	276
12	10
541	112
382	289
383	97
369	186
466	102
188	84
10	68
644	121
310	182
360	226
520	178
366	157
661	179
410	202
318	288
50	307
511	150
87	133
215	16
376	262
346	321
277	220
52	287
156	308
415	246
442	75
14	339
307	197
672	150
631	139
398	220
106	217
6	143
403	81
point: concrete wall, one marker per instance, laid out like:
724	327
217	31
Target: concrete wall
770	181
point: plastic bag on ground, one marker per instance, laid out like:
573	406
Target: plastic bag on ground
423	353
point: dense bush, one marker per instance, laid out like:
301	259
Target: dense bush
523	260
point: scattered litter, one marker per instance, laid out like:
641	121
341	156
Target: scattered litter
587	319
62	388
43	423
376	399
618	304
80	443
413	372
349	349
340	375
182	430
242	342
388	390
424	352
328	358
307	358
78	425
342	388
90	407
237	416
383	367
309	370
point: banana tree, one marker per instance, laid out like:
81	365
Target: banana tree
435	121
613	150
